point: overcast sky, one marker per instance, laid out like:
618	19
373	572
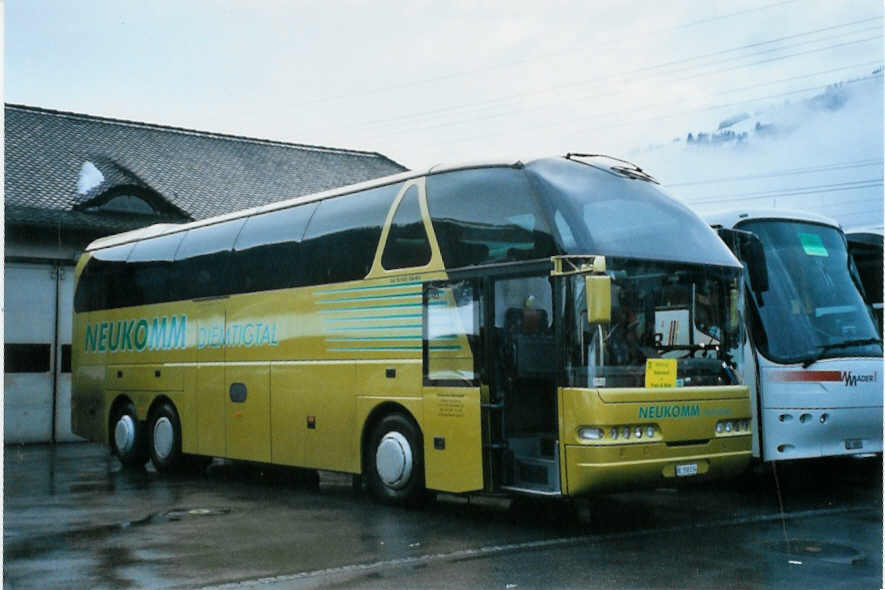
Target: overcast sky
435	81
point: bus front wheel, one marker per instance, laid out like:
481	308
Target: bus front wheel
164	437
395	461
127	437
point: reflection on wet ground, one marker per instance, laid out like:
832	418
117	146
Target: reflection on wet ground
74	518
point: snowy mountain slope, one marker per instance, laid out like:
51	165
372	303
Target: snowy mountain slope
822	154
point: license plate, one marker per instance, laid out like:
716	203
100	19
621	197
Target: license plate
852	444
686	470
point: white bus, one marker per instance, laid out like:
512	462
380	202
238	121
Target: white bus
815	354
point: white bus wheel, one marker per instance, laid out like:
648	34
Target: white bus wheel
164	437
127	436
395	461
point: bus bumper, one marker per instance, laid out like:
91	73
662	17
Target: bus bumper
592	469
820	432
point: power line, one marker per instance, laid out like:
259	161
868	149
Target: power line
570	49
817	189
787	172
782	57
626	75
621	116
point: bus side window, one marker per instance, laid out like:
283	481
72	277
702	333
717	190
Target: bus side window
151	272
106	267
487	215
202	259
452	346
342	237
407	244
267	254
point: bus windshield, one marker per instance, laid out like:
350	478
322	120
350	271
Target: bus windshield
593	210
812	308
690	313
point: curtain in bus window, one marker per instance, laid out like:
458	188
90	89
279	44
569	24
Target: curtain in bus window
487	215
202	259
407	244
342	237
267	254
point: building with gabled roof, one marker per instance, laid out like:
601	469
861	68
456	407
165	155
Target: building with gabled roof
71	178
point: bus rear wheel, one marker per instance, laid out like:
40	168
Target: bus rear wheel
127	436
164	438
395	461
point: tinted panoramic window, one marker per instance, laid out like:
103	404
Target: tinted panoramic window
600	212
487	215
201	263
105	270
150	273
407	244
343	235
267	252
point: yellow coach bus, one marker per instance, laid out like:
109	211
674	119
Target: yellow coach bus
556	328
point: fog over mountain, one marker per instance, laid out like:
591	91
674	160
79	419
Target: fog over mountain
821	154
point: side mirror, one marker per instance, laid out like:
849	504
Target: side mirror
598	290
748	249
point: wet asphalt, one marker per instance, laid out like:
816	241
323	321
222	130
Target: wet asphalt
73	518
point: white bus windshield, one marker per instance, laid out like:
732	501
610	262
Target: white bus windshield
812	308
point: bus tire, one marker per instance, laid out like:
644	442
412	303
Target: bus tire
127	436
395	461
164	438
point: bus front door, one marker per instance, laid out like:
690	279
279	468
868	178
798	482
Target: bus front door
452	396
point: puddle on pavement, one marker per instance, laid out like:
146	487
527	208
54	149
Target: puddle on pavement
42	544
805	549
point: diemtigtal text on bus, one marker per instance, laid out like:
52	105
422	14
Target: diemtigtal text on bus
554	328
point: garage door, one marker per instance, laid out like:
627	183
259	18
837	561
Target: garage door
33	353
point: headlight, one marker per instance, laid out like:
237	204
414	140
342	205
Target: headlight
590	433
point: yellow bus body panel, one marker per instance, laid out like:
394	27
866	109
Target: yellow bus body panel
453	439
598	466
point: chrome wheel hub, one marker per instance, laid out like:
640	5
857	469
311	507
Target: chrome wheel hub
124	434
164	437
393	460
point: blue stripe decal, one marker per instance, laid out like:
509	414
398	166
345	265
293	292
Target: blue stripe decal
370	318
391	306
361	328
388	348
370	298
377	349
373	338
364	308
371	288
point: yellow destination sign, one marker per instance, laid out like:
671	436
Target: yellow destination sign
660	373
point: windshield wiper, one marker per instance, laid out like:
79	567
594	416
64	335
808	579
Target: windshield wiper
845	344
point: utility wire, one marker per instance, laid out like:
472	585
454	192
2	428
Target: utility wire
510	64
838	187
625	119
628	74
787	172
